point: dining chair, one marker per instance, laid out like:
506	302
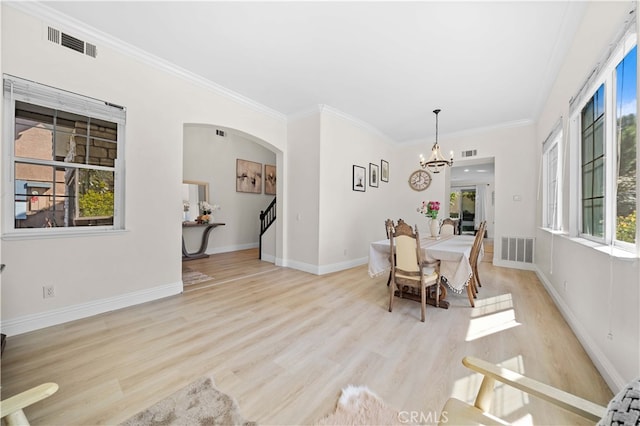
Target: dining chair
474	261
408	269
448	227
388	227
474	280
457	412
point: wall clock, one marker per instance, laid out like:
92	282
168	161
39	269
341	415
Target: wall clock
420	180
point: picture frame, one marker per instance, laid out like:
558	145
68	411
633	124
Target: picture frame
270	179
248	176
384	171
374	175
359	179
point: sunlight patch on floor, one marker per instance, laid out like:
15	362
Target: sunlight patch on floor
490	324
493	304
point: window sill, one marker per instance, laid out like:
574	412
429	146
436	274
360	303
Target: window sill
612	251
38	234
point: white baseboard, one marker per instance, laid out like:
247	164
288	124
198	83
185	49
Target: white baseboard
325	269
615	381
37	321
341	266
514	265
226	249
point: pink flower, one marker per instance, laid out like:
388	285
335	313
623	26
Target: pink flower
429	209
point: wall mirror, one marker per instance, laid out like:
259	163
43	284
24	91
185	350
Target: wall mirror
193	192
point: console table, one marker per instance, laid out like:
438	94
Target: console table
206	229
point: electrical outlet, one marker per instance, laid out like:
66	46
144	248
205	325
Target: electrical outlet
48	291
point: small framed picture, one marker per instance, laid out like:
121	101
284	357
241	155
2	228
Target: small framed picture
359	178
374	175
248	176
269	179
384	166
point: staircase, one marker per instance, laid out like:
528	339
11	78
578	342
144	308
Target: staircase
267	217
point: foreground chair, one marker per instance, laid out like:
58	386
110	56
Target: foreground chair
461	413
408	269
12	408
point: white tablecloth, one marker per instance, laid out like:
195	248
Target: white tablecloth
452	251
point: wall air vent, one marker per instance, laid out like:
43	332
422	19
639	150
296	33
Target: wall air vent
53	35
517	249
220	132
470	153
71	42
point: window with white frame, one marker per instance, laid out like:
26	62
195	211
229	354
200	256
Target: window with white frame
64	160
606	132
551	180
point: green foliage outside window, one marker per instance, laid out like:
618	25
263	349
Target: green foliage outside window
626	229
626	199
96	193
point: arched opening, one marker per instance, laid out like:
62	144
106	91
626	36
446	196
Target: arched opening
233	164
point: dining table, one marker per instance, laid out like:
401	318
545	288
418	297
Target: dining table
453	252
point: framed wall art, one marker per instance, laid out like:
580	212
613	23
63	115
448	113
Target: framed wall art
248	176
384	172
269	179
374	175
359	178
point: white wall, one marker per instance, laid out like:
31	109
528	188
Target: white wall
598	294
211	158
147	255
350	220
302	194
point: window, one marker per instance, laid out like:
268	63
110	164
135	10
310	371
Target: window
606	128
592	164
65	155
626	182
551	180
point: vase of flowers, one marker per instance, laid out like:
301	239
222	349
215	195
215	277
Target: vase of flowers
206	212
431	209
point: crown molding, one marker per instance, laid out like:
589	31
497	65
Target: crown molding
323	108
474	131
356	121
52	17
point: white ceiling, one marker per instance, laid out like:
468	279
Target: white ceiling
388	64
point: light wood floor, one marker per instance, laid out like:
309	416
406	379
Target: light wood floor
284	343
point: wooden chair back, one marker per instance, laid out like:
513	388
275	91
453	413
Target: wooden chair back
407	248
477	245
448	227
388	227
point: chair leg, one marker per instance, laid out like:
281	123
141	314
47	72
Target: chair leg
470	294
389	279
391	291
475	287
475	272
423	302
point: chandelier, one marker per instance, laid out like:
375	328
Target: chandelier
436	160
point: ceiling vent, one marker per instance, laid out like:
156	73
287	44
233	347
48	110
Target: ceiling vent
220	132
470	153
63	39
